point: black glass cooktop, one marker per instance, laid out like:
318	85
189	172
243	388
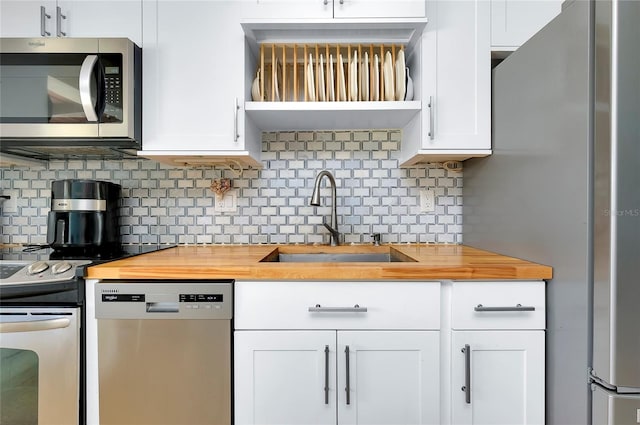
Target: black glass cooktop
37	253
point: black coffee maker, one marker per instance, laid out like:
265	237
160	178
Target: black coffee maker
83	216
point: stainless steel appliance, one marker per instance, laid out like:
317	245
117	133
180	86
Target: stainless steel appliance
84	215
561	188
40	358
40	340
164	352
70	97
42	333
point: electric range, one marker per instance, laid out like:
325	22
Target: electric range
42	276
43	323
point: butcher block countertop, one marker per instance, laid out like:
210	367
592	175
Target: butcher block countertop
243	262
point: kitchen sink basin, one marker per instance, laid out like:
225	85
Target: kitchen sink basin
387	255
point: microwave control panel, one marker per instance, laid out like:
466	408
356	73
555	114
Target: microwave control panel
113	69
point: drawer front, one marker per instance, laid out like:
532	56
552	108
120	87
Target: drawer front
337	305
498	305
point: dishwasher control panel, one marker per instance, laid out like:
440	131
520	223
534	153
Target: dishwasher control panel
164	300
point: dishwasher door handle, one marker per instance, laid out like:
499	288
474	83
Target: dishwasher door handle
162	307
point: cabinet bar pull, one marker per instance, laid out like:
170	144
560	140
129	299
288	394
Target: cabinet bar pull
431	129
235	121
59	18
517	307
467	373
355	309
348	387
326	374
43	22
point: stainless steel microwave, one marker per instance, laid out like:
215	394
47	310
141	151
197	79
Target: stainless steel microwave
66	98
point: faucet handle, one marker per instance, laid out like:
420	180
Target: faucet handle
376	239
335	235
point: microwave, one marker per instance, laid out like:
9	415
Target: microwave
66	98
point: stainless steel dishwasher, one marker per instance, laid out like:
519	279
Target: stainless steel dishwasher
164	352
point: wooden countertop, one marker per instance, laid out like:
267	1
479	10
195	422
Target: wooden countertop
242	262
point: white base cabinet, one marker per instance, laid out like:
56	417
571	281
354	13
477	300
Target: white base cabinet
390	352
280	377
505	384
391	377
497	352
337	353
343	377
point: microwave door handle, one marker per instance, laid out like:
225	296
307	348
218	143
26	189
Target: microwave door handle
86	73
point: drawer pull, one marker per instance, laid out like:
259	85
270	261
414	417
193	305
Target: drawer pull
517	307
355	309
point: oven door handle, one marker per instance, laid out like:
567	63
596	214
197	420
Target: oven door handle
86	73
34	325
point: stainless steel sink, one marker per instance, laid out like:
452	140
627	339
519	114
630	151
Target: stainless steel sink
336	258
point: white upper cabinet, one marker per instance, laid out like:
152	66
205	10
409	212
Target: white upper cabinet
100	18
86	18
19	18
514	21
455	73
285	9
318	9
193	93
378	8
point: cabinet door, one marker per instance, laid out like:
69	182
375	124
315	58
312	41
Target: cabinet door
193	75
378	8
514	21
457	73
506	377
392	377
19	18
100	18
280	9
280	377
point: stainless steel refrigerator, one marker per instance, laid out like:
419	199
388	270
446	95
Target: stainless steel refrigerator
563	188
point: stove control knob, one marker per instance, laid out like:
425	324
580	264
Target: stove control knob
37	267
60	267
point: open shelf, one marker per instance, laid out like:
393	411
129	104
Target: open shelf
283	116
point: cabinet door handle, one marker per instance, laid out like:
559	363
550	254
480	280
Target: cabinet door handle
348	386
467	373
326	374
432	133
326	2
59	18
341	1
235	121
355	309
43	22
517	307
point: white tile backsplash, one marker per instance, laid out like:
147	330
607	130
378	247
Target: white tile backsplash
175	205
